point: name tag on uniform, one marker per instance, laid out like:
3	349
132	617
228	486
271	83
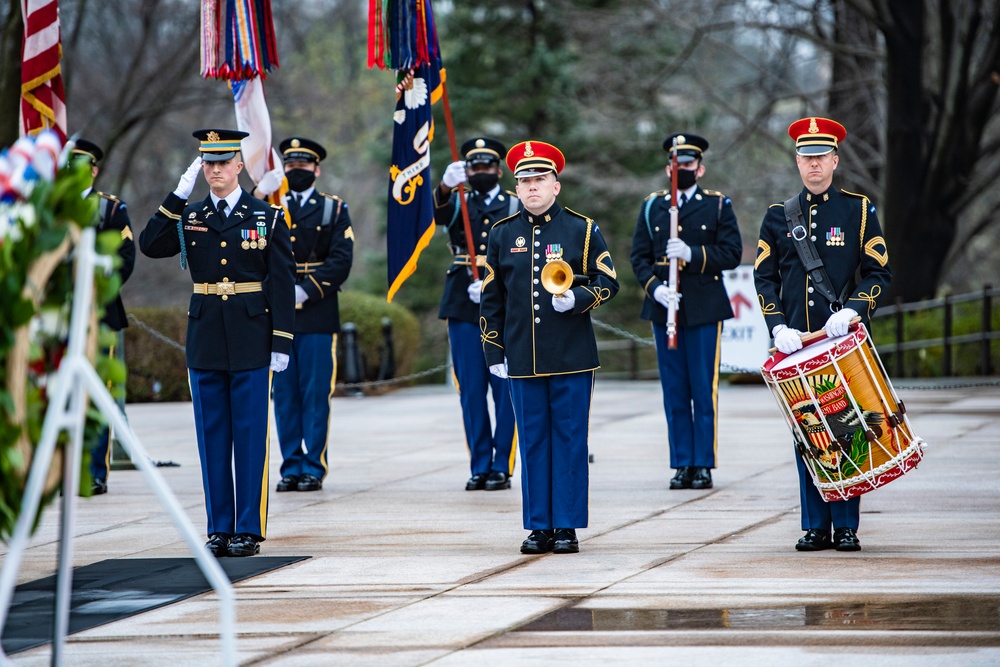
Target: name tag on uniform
195	228
519	250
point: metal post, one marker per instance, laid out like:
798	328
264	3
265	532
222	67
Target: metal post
353	363
946	371
387	369
984	345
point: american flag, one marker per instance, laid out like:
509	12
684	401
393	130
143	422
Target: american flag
43	99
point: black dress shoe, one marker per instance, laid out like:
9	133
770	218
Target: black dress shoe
309	483
702	478
218	545
845	539
99	487
288	483
565	541
476	483
497	480
244	544
814	540
539	542
681	479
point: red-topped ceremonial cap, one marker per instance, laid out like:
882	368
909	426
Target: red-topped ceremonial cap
534	158
816	136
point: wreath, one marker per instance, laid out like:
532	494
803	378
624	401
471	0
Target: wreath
42	212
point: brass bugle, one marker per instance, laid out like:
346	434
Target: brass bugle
557	276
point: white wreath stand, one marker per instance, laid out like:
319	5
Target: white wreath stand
68	397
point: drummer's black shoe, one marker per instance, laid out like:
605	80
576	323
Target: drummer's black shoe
814	540
565	541
701	479
287	483
497	481
845	539
539	542
681	479
477	482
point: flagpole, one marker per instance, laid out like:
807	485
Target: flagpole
469	241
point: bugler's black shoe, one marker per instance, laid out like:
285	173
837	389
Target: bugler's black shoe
539	542
845	539
288	483
497	480
701	479
309	483
244	544
814	540
565	541
476	483
681	479
100	486
218	545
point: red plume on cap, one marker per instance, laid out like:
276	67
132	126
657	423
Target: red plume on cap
532	158
816	136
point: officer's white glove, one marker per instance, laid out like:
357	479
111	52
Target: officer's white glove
271	181
787	340
839	322
279	361
564	302
662	295
186	184
500	370
677	249
475	291
454	174
300	295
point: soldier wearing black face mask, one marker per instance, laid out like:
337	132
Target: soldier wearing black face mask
491	449
708	243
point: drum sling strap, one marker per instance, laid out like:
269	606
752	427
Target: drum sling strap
810	258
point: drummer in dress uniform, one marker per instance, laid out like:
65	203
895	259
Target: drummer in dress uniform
239	331
708	243
491	449
545	342
323	244
113	215
844	228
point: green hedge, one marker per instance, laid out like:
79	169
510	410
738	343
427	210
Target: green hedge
157	370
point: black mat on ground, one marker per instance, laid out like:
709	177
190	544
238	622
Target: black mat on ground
115	589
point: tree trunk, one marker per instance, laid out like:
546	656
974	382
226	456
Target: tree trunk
12	32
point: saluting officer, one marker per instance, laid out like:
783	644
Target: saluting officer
491	449
708	243
844	230
112	214
545	342
239	331
323	244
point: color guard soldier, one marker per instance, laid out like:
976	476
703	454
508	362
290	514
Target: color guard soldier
323	245
545	342
491	449
113	214
239	331
844	229
708	243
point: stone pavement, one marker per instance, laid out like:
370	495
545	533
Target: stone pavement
407	568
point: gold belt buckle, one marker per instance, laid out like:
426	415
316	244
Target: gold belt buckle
225	289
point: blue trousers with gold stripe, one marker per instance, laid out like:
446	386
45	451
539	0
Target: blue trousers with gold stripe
490	449
553	422
689	376
100	451
817	514
302	394
231	419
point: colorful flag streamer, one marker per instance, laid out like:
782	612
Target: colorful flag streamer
237	39
43	98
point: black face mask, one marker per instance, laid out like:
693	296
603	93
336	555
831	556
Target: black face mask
299	180
686	178
483	182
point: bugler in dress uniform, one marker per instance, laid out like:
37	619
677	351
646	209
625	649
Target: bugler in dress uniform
844	228
239	330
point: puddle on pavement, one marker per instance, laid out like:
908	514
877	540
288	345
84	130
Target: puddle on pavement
970	614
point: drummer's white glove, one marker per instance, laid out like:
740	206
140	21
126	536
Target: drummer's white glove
271	181
840	322
186	184
454	174
662	295
564	302
500	370
301	296
475	291
787	340
677	249
279	361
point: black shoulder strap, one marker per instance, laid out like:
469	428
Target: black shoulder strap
327	211
808	255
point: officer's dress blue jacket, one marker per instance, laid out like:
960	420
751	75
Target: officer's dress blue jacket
708	225
323	257
455	301
517	319
847	237
239	332
115	216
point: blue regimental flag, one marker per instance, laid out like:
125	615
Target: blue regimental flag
411	202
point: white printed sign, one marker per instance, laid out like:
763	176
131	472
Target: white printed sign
745	339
